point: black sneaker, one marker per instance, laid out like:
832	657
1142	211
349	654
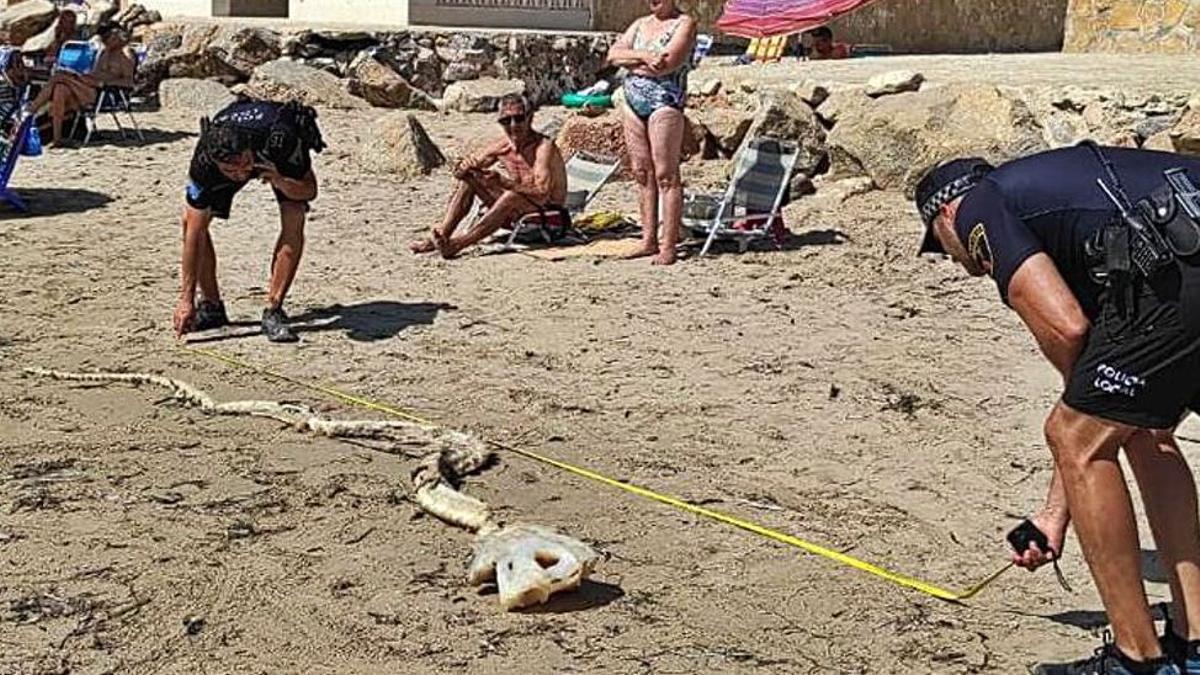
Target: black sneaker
274	325
1185	654
1108	660
210	314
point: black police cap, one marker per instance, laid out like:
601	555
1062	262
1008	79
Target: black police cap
942	185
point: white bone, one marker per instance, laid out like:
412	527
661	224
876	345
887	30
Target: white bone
529	563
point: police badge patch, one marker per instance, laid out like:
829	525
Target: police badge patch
978	247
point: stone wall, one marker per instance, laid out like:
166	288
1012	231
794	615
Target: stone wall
1160	26
924	26
397	68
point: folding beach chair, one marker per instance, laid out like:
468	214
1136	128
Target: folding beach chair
110	100
9	154
755	194
765	49
586	174
76	56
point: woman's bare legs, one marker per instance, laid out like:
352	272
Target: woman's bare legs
666	129
637	140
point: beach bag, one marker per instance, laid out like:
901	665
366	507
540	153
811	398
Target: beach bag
548	225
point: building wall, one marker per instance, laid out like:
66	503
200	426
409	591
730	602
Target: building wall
541	14
373	12
180	7
909	26
1161	26
958	26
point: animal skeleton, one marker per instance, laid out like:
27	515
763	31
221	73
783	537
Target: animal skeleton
527	563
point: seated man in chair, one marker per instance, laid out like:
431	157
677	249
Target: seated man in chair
535	179
68	92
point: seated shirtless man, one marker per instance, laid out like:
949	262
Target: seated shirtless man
535	177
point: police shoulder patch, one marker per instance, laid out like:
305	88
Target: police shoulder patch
978	247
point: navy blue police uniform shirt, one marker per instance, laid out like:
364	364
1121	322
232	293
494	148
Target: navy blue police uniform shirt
274	137
1050	203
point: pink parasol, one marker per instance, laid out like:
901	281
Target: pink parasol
767	18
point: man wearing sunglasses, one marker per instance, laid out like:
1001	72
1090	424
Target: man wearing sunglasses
534	180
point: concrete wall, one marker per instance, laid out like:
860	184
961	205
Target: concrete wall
541	14
389	13
958	26
1160	26
616	15
251	8
909	26
180	7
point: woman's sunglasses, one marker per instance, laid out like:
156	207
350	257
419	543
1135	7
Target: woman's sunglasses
511	120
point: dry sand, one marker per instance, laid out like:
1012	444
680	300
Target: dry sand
842	390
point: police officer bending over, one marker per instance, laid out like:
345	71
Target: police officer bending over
1098	251
249	139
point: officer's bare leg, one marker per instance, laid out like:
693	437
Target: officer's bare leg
1169	494
1085	449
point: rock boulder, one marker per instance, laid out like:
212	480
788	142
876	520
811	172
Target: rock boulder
398	144
895	139
785	116
200	96
604	134
20	22
482	95
283	80
727	127
375	82
894	82
1185	135
244	49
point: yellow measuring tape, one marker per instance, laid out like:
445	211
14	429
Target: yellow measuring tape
788	539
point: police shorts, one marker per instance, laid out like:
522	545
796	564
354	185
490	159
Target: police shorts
219	198
1141	364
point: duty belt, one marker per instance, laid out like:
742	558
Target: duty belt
1147	237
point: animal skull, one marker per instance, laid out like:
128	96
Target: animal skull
529	563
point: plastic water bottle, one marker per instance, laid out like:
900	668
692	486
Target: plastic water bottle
33	142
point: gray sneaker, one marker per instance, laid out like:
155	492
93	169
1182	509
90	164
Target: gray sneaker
210	314
1108	660
275	327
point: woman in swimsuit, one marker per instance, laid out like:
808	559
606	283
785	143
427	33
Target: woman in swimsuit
657	51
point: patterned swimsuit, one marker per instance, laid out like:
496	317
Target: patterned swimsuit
645	94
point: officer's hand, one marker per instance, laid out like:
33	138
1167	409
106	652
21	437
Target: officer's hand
1054	526
185	315
268	172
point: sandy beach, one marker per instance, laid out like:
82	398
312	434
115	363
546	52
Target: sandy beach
841	390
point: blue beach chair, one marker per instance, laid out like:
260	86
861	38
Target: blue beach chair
111	100
9	153
76	57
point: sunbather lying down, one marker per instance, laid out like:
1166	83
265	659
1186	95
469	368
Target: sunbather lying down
535	178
